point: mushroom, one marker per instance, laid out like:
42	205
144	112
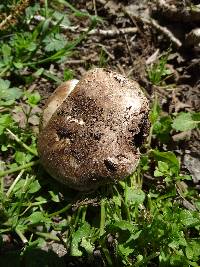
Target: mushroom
92	129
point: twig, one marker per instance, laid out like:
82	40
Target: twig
129	49
189	13
75	61
162	29
106	51
153	57
134	21
109	33
113	32
166	32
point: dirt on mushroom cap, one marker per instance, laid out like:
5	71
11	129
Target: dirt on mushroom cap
94	136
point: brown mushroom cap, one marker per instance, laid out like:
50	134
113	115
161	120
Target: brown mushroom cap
93	137
56	99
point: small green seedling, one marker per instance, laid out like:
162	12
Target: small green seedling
158	71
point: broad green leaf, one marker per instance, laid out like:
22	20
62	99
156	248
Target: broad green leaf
20	157
178	259
122	225
4	85
188	219
144	162
54	196
193	250
39	72
55	42
197	204
6	51
86	244
177	240
31	10
162	128
163	166
41	199
7	93
5	121
83	231
19	187
37	217
21	226
168	157
34	187
158	173
184	177
12	94
117	200
58	16
135	196
68	74
4	147
18	65
34	99
125	250
184	122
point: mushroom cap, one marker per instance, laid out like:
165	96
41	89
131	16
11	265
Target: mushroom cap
94	135
56	99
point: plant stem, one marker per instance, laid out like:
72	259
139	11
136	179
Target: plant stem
46	8
107	255
77	216
22	143
14	183
126	202
103	216
22	237
4	70
2	186
60	211
48	236
84	211
16	169
27	117
150	136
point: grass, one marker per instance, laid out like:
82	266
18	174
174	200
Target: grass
138	222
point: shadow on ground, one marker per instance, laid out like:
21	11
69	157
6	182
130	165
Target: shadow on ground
36	257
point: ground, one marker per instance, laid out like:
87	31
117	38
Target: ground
151	218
